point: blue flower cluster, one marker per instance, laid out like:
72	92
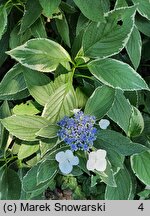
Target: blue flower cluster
78	132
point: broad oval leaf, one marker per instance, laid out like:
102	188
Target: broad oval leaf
24	127
100	101
120	111
136	125
85	7
27	149
13	82
117	74
140	165
49	131
134	47
109	38
143	7
30	181
108	139
3	19
40	54
123	189
46	171
60	104
39	85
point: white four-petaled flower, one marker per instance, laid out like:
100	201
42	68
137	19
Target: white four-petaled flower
97	160
66	161
104	123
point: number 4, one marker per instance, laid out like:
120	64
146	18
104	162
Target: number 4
141	207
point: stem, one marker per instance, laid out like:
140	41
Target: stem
84	76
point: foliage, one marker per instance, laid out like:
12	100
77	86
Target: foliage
74	98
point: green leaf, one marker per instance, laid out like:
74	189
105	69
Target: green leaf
121	3
140	165
60	104
30	181
136	125
81	98
27	108
63	29
134	47
121	111
38	85
46	171
108	176
82	23
4	43
27	149
49	7
10	184
4	112
85	7
143	25
40	54
106	39
117	74
115	159
108	139
143	7
47	145
30	14
123	189
13	82
17	39
100	101
24	127
49	131
38	29
3	19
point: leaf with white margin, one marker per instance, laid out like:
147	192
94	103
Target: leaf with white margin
140	166
121	111
100	101
136	125
40	54
143	7
134	47
117	74
104	39
61	102
85	7
123	189
24	127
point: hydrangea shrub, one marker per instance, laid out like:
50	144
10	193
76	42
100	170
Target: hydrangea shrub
74	99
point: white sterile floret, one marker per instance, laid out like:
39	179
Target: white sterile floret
104	123
97	160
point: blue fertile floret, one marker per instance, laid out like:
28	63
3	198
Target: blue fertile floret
78	131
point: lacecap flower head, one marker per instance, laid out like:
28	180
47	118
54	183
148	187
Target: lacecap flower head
78	131
66	161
